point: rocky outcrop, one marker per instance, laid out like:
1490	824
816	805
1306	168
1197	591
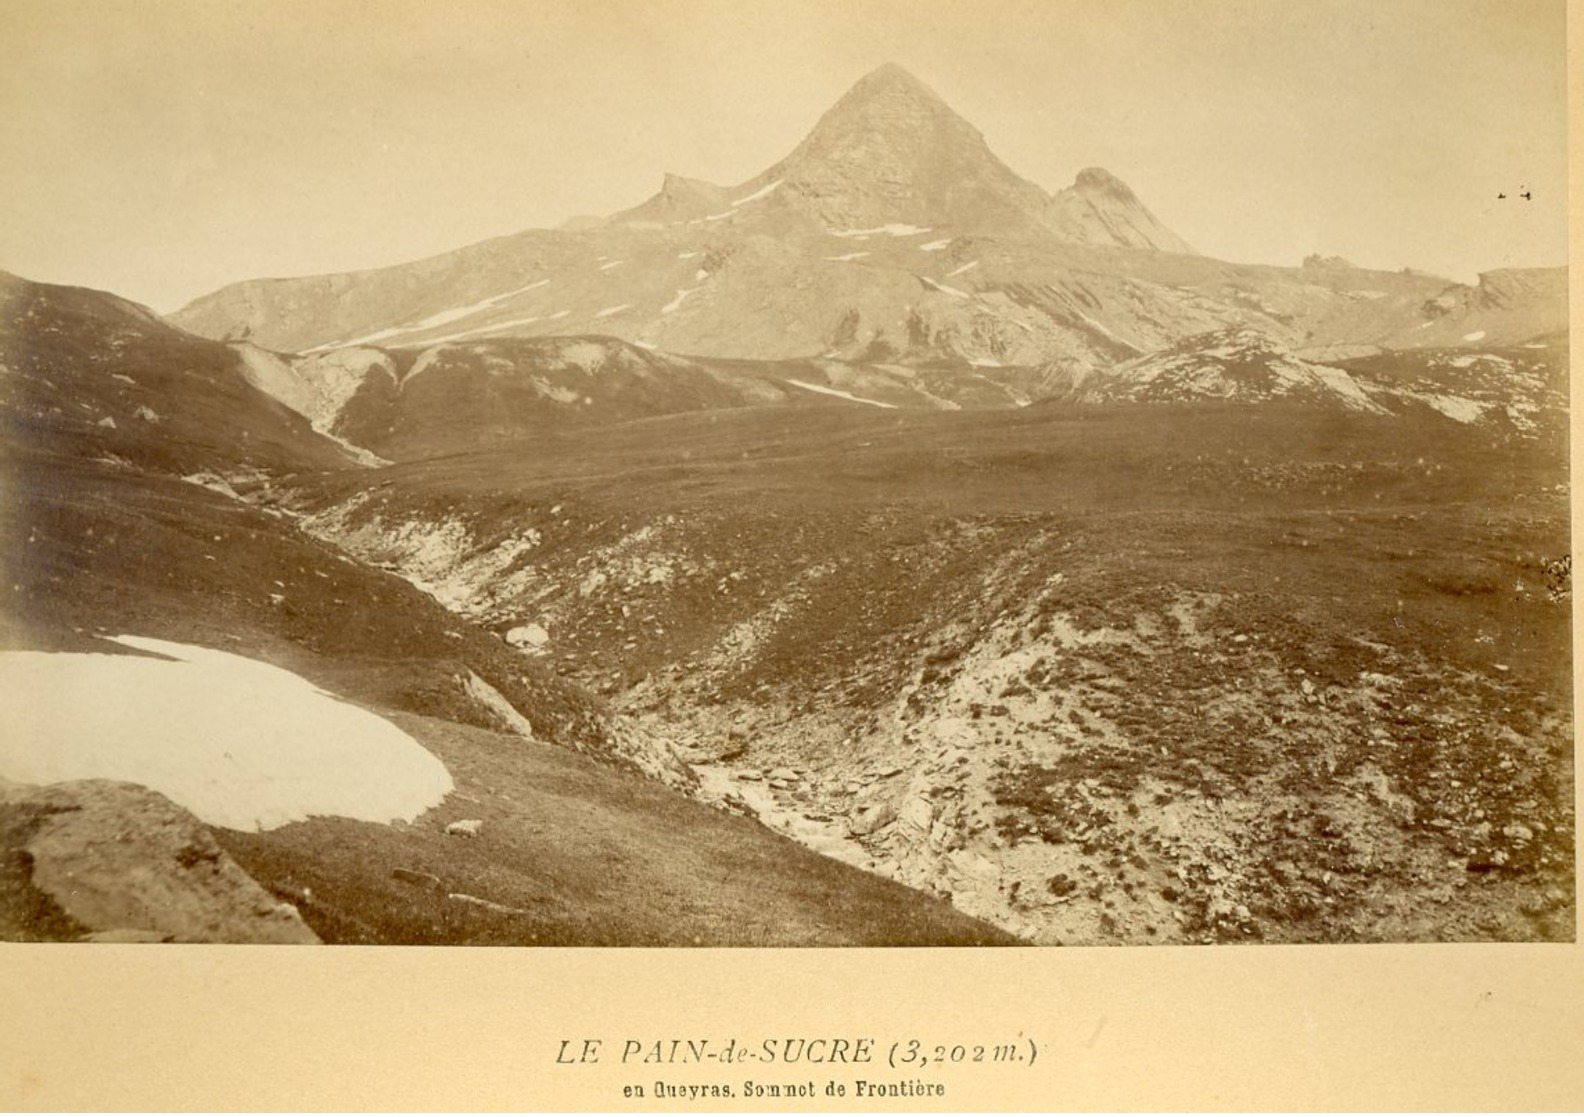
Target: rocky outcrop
125	864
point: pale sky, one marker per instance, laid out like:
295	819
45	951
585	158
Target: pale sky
162	148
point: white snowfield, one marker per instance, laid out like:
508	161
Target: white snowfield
943	289
681	296
757	194
239	743
839	394
893	230
442	318
493	327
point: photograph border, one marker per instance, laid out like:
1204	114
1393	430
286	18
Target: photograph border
1462	1027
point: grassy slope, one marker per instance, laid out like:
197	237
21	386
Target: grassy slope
1329	515
1337	545
593	852
587	857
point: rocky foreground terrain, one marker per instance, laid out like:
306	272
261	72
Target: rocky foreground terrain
1265	681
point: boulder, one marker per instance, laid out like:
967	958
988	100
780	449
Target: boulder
128	865
413	876
527	636
871	817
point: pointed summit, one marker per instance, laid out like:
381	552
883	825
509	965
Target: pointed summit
890	150
890	80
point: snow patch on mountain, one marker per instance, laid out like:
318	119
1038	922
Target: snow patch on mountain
837	392
493	327
365	339
676	303
763	191
456	314
436	320
895	229
943	289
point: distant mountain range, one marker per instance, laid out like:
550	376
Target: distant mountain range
891	234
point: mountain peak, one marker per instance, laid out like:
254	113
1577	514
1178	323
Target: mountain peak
897	106
890	150
889	78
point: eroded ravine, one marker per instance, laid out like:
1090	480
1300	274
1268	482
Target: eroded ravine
1174	766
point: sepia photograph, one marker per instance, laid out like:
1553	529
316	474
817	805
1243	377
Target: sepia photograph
879	548
800	475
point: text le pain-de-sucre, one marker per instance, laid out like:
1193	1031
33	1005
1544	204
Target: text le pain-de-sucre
855	1050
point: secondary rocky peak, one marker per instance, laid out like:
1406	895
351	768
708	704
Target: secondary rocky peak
1316	262
679	199
680	186
1098	180
1099	208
